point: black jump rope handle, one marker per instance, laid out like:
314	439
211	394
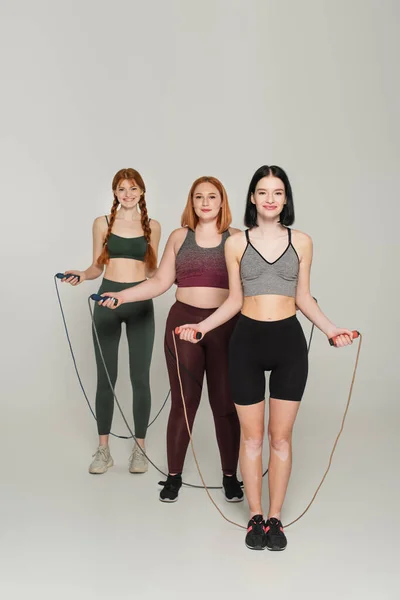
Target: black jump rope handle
95	297
98	298
66	276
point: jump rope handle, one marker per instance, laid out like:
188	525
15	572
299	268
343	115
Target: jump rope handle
198	334
332	341
63	276
98	298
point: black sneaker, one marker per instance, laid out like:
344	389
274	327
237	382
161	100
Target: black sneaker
232	489
276	539
255	538
171	488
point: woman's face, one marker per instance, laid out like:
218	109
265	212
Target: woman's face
269	197
128	193
207	201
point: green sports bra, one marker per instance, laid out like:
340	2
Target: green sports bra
121	247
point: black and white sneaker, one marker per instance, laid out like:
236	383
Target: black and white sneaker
232	489
171	488
276	539
255	538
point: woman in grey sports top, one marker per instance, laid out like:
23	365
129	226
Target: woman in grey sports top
269	275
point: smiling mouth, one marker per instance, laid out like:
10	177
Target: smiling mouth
269	207
206	209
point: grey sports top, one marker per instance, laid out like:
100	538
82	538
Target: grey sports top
260	277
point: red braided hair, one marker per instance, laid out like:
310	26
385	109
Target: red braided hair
134	176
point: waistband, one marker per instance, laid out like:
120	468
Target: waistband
188	309
287	322
107	285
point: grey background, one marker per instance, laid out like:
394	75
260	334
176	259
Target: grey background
178	90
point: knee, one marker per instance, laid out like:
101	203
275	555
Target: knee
253	445
280	444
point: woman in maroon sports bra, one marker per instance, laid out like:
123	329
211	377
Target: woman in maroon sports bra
194	259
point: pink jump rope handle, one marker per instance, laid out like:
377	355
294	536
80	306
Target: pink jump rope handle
332	340
197	335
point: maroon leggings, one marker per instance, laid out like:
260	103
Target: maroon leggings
209	356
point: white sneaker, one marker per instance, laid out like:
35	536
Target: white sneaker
138	462
102	460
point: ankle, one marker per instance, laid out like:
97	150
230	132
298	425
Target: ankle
255	514
274	515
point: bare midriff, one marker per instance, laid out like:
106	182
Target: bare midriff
202	297
268	307
125	270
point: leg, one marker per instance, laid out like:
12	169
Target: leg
140	334
287	383
251	442
192	364
108	328
224	412
247	384
282	415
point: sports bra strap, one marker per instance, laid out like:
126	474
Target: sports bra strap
290	235
247	236
107	219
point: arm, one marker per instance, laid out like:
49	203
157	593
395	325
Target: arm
232	304
304	300
99	231
154	243
161	282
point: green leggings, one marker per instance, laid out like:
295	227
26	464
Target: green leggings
139	320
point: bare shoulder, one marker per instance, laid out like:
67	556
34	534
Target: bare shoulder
178	235
233	230
100	224
236	243
301	239
177	238
302	243
155	225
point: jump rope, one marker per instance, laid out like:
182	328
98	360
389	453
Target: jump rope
198	335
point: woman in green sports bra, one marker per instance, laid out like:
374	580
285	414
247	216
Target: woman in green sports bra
127	246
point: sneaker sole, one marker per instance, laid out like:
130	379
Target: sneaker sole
167	500
236	499
255	547
98	472
137	471
276	549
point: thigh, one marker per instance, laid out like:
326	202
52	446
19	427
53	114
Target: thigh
140	334
290	371
282	415
251	420
217	367
246	372
106	330
191	362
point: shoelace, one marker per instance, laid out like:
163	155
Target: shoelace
169	484
257	526
136	453
232	482
101	453
275	526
